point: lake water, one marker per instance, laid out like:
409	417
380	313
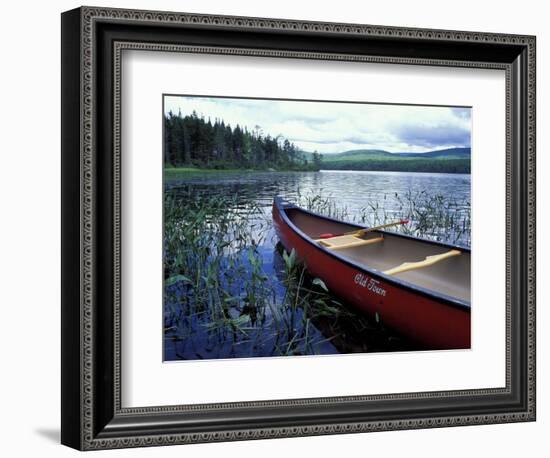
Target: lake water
437	205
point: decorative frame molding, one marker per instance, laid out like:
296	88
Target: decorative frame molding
93	40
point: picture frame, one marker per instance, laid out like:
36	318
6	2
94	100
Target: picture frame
93	416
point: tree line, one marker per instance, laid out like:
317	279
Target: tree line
192	141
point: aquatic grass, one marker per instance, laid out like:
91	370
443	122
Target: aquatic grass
434	216
220	302
324	205
431	216
215	285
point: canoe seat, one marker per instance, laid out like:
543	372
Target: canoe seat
347	241
429	261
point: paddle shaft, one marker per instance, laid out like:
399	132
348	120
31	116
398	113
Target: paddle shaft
364	231
370	229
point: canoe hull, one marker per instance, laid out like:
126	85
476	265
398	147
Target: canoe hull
427	320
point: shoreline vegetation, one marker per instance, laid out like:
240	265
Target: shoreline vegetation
171	172
193	142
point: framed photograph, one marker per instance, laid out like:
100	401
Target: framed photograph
276	228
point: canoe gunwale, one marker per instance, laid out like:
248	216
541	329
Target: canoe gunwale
282	206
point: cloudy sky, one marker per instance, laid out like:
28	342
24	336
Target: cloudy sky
329	127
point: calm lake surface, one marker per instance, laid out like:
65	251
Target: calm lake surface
438	206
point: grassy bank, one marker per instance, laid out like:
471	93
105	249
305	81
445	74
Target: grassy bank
176	172
172	173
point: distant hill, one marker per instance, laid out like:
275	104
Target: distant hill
450	153
452	160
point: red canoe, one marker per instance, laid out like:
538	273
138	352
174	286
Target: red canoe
418	287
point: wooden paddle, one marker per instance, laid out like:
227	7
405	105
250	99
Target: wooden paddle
360	232
429	261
